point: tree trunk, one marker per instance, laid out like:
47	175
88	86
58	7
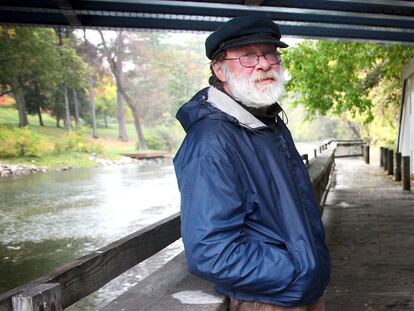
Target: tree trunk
67	111
20	103
93	109
122	133
91	95
105	120
76	107
57	122
129	101
137	123
39	113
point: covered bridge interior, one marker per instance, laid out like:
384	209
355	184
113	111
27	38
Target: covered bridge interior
382	21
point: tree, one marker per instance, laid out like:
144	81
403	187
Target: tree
90	55
355	80
26	53
132	104
105	98
122	132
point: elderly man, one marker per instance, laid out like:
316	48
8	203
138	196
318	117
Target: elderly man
250	223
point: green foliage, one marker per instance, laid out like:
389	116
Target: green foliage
357	82
17	142
73	141
25	142
164	138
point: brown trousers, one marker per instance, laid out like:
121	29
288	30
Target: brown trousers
237	305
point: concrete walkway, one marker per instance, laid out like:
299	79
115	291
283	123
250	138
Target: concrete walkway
370	231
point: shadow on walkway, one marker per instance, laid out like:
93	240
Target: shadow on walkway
369	223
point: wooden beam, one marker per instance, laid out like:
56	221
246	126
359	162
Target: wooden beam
253	2
89	273
68	12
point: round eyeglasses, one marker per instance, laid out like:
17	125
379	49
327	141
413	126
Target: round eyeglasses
252	59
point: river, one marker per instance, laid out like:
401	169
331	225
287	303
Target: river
50	219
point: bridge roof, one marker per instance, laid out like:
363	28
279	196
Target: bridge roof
360	20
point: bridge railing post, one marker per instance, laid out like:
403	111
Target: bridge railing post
385	157
406	173
390	159
305	158
366	153
397	174
41	297
381	156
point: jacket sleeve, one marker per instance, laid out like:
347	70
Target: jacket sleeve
216	247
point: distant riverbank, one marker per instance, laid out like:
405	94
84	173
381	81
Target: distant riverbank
9	169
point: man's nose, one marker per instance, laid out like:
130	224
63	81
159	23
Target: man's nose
263	63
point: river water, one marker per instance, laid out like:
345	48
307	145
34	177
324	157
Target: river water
50	219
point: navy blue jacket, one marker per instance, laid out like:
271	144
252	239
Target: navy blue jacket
250	222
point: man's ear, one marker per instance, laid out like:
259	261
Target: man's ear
217	68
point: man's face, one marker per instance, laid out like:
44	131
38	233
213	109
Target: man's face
255	86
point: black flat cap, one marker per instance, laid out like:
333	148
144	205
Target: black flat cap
242	31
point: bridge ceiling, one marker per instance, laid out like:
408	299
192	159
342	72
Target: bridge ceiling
361	20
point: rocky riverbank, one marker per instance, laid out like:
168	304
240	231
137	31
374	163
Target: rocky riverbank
7	170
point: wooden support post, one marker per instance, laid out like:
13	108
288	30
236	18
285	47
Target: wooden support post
390	165
397	166
315	153
406	174
41	297
381	156
366	154
385	159
305	157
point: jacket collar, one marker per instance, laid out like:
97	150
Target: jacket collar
228	105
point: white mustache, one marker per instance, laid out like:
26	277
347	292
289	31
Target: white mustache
263	76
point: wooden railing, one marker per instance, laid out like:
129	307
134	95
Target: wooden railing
77	279
87	274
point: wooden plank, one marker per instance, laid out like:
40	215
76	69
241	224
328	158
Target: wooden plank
42	297
319	165
170	288
146	155
89	273
349	156
349	144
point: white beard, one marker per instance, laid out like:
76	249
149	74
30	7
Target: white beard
249	94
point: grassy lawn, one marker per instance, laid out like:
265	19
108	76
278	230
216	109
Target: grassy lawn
108	139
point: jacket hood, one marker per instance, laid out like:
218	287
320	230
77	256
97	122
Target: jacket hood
212	103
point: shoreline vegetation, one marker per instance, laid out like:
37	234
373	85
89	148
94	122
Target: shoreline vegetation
10	170
39	149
